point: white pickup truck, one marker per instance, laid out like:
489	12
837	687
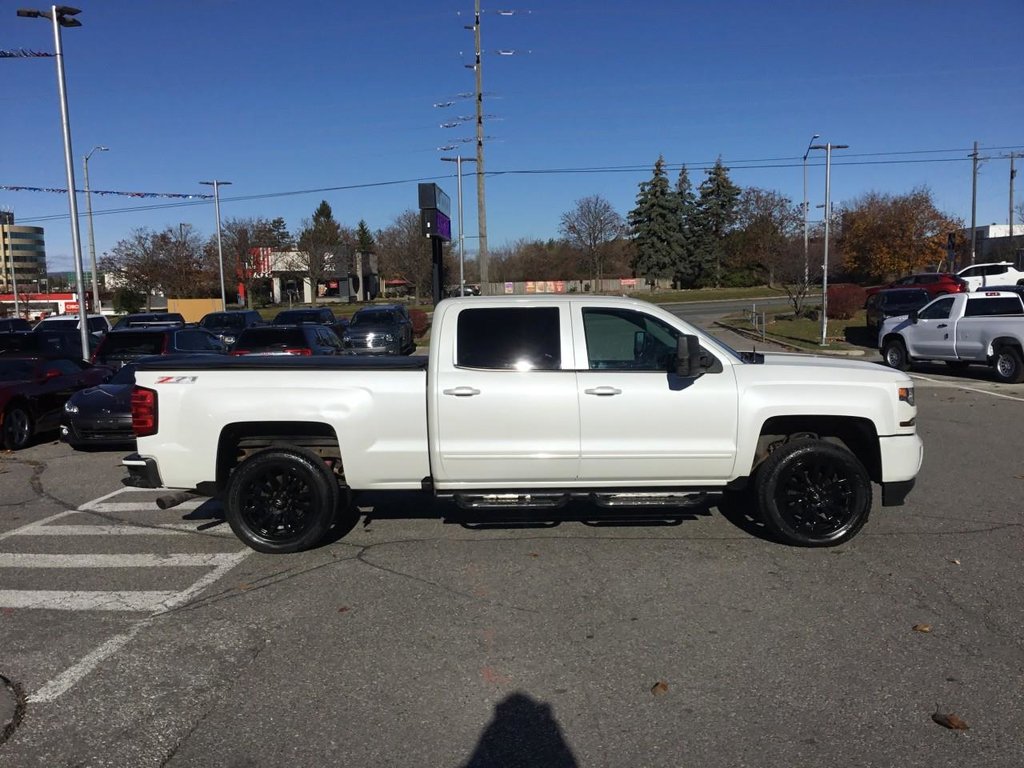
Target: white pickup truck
532	402
985	327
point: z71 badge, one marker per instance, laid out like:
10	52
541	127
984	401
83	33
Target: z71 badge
176	379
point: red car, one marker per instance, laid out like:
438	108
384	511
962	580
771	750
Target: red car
33	391
936	283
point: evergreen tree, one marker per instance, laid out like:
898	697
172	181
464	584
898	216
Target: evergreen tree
364	238
319	244
716	213
687	268
655	227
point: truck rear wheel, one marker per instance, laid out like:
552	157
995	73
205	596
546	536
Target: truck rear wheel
281	500
895	355
813	493
1008	365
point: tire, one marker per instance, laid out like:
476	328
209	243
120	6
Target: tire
957	366
1008	365
813	493
281	500
17	429
894	352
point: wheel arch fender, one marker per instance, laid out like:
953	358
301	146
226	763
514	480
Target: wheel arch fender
857	434
239	440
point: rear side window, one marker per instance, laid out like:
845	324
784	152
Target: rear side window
132	343
997	305
271	337
509	338
196	340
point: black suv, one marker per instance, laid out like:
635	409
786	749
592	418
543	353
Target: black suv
309	339
120	346
227	325
890	302
383	329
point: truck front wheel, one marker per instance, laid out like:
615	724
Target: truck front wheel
1009	366
813	493
895	355
281	500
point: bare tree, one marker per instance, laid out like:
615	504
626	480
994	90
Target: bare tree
171	262
242	241
590	226
403	252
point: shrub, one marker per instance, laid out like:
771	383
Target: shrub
845	300
420	321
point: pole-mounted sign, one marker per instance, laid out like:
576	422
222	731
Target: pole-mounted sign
436	225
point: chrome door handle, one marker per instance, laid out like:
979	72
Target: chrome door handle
603	391
461	391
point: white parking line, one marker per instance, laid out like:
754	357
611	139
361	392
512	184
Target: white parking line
21	560
136	506
26	530
954	385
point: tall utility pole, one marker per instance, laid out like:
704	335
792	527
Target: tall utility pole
92	239
481	205
217	184
59	15
1013	173
974	199
828	147
807	272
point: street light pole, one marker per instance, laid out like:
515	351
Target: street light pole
92	240
59	14
828	147
216	184
459	160
807	272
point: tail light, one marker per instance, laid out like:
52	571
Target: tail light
144	411
238	352
304	351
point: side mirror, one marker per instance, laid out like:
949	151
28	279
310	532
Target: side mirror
913	317
639	342
688	357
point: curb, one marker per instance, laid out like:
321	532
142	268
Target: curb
792	347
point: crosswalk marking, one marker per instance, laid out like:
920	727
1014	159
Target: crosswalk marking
163	529
135	506
146	601
22	560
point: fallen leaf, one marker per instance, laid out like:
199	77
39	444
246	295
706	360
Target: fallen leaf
950	720
660	688
243	587
955	562
344	609
534	554
922	627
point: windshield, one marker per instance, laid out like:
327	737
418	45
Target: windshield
293	316
223	320
373	317
132	343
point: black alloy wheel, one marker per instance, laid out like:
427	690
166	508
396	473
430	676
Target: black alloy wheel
17	428
281	500
813	493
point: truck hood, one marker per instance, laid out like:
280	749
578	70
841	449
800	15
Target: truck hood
893	324
820	366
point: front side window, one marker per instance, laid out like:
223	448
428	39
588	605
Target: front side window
938	310
509	338
627	340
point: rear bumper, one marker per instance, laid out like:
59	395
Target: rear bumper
142	471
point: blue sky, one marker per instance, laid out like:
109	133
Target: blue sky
284	98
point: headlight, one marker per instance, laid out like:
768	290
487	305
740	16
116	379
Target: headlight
70	407
907	395
228	339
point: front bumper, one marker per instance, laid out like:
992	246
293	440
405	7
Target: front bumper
901	457
100	431
142	471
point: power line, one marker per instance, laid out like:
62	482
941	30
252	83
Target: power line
753	164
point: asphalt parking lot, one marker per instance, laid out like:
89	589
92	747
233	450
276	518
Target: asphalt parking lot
147	637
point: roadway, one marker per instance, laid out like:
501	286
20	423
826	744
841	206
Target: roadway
149	637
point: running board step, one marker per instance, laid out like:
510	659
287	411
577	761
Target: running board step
511	500
649	499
